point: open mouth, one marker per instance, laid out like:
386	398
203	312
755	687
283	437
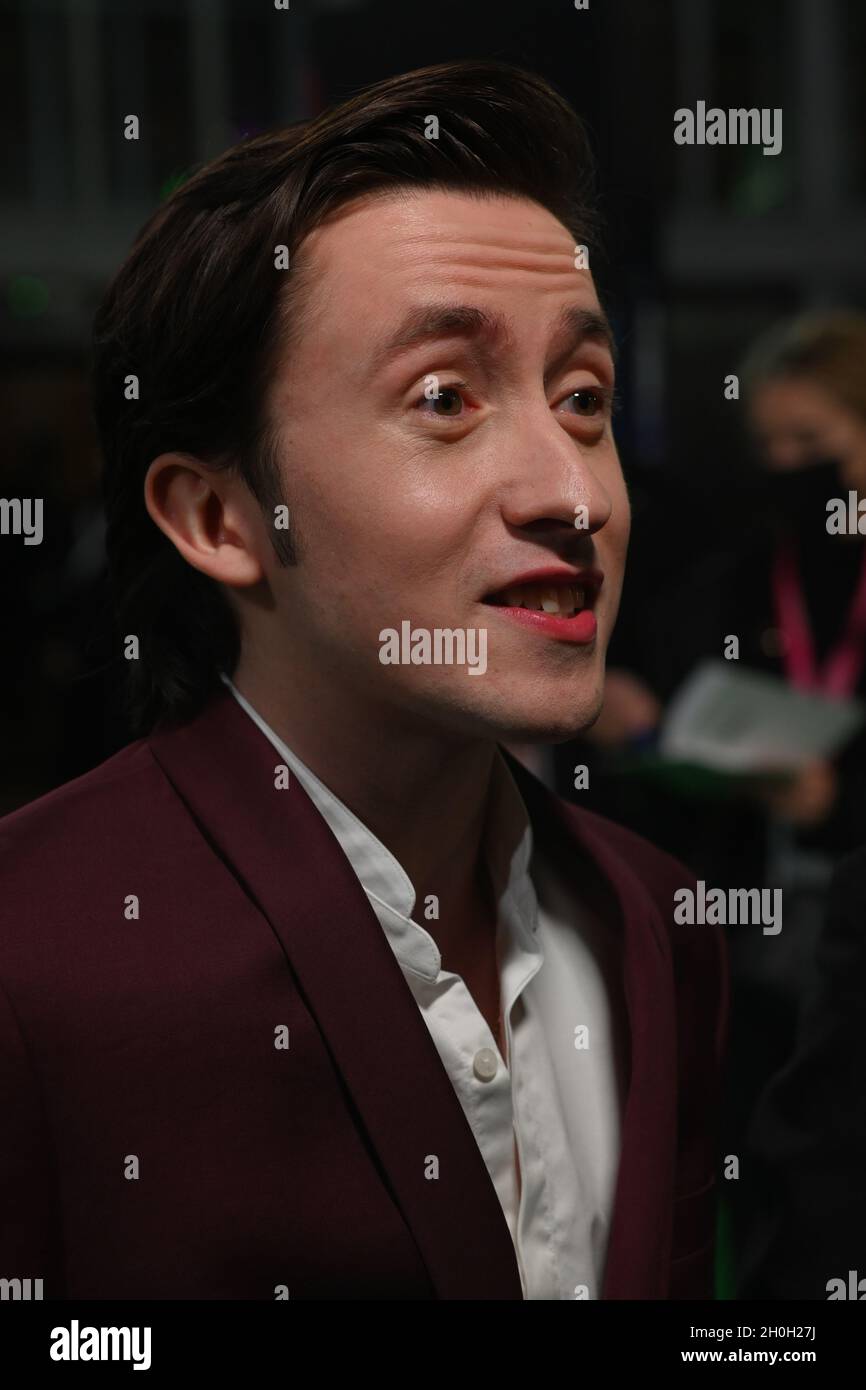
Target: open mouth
541	596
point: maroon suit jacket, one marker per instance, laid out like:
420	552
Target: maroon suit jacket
304	1166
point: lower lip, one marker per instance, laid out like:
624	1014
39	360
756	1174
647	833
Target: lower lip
580	628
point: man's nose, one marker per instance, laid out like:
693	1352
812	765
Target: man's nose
551	478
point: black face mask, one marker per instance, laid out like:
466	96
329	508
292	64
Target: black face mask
797	497
828	565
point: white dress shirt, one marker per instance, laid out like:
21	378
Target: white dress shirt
559	1091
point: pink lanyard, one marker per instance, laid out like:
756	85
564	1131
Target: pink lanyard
843	663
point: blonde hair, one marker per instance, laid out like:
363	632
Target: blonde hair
827	347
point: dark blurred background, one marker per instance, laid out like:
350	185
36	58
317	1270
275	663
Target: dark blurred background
706	248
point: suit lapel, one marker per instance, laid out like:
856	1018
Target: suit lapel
584	848
292	866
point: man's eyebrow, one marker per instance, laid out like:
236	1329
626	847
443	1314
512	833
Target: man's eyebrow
576	325
428	322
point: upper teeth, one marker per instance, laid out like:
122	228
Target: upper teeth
560	598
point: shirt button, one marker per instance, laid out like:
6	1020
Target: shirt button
485	1064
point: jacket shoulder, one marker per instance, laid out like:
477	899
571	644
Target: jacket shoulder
66	827
659	872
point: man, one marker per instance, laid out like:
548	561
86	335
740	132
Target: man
313	991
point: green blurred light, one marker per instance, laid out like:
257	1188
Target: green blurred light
27	296
762	184
172	182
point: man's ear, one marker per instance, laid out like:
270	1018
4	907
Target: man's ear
205	516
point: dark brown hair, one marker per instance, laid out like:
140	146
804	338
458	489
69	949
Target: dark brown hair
199	314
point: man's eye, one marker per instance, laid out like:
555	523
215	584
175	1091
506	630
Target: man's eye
446	404
590	401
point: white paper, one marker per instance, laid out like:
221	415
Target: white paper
732	719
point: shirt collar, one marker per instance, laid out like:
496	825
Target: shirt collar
507	846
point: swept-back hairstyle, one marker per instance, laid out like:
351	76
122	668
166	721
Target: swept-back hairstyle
200	314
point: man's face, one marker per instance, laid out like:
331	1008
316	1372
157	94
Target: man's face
410	507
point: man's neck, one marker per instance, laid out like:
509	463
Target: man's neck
424	796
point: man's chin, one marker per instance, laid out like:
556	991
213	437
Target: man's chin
548	734
542	727
533	716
